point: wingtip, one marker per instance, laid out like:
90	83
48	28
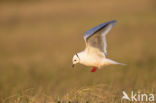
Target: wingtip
113	21
97	28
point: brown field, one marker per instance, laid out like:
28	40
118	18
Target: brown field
38	39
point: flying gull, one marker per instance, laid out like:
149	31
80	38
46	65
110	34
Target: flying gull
96	47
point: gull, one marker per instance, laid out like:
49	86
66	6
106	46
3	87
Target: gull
96	47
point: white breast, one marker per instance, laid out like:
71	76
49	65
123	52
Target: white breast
91	60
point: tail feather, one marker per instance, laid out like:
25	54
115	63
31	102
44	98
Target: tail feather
109	61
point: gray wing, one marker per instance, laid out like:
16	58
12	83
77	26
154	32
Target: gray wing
95	38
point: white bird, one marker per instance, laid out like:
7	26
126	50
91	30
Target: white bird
96	47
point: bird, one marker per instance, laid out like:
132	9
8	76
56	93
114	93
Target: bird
94	54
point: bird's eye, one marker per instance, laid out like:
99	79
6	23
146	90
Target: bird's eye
74	60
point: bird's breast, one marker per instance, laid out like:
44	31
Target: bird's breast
92	61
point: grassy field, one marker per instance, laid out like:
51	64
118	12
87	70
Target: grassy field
39	38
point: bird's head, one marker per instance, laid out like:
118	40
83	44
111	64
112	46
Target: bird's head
76	59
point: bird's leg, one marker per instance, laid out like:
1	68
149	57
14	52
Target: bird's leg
93	69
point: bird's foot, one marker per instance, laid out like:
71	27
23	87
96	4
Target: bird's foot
93	69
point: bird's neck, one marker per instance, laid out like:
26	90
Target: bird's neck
82	55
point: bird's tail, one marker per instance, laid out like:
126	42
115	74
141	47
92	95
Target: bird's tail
109	61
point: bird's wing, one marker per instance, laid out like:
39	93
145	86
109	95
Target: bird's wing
95	38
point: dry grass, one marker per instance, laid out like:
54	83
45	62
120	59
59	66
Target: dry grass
38	40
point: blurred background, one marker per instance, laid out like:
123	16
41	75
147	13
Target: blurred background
38	39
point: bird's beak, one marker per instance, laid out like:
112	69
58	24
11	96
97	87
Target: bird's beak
73	65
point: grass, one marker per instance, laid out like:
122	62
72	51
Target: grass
38	40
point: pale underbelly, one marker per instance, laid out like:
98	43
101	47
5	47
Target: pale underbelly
95	63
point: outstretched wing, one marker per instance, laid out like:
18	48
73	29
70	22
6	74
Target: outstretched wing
95	38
